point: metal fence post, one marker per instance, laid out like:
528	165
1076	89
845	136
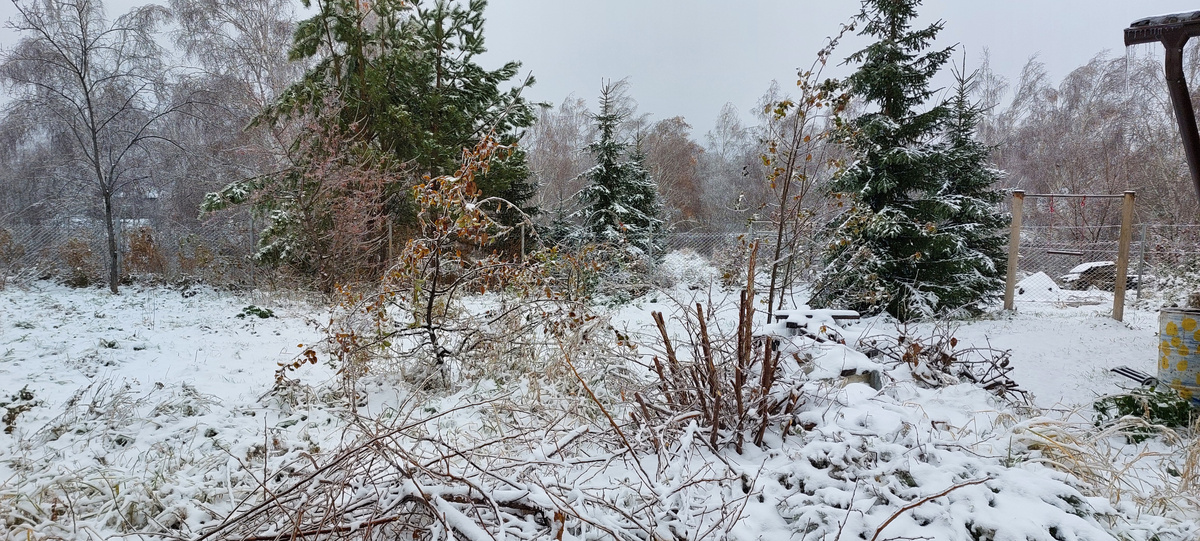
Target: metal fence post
1123	256
1014	243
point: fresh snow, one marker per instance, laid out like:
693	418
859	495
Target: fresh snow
153	411
1038	284
1083	267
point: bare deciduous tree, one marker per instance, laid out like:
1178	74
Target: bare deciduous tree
238	52
731	173
801	153
556	147
673	159
100	82
1105	128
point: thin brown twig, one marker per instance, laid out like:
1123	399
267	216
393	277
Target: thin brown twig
612	422
714	389
923	501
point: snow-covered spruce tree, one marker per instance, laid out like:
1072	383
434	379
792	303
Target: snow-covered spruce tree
979	255
917	235
620	202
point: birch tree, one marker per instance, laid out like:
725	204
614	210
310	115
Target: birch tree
99	82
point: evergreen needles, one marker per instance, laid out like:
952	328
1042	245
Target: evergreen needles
920	232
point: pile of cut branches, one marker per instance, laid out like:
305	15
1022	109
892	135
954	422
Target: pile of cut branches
936	360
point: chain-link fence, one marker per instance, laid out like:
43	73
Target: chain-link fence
1082	259
1057	263
797	258
1068	264
219	251
75	250
1166	260
1076	265
702	244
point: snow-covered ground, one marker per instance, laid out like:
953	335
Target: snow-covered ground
57	340
152	412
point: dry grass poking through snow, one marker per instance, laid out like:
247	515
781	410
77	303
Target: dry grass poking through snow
1159	476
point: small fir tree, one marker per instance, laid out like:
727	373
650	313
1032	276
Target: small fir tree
644	228
979	256
620	202
917	234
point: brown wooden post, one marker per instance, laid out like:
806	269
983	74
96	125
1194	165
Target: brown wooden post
1123	256
1014	242
390	247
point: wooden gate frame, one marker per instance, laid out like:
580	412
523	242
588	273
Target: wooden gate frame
1014	243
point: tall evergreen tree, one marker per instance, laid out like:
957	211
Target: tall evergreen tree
620	202
917	234
401	82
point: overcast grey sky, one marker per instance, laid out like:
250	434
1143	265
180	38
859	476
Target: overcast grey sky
690	57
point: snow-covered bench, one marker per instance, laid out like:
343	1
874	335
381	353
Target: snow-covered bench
816	323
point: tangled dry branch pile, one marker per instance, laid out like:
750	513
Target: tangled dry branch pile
936	360
405	482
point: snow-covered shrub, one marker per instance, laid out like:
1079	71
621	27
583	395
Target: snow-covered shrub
10	251
255	311
143	255
1156	407
17	404
731	262
576	273
686	268
326	217
1173	284
611	274
161	464
448	310
193	255
731	385
623	273
1156	478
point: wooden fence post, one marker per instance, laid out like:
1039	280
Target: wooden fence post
390	247
1014	242
1123	256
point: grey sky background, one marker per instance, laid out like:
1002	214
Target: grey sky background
689	57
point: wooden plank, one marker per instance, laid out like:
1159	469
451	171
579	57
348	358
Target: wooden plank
1014	243
1077	195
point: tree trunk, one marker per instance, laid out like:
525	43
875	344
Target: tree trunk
114	272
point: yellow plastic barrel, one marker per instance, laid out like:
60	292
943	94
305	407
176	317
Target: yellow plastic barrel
1179	351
